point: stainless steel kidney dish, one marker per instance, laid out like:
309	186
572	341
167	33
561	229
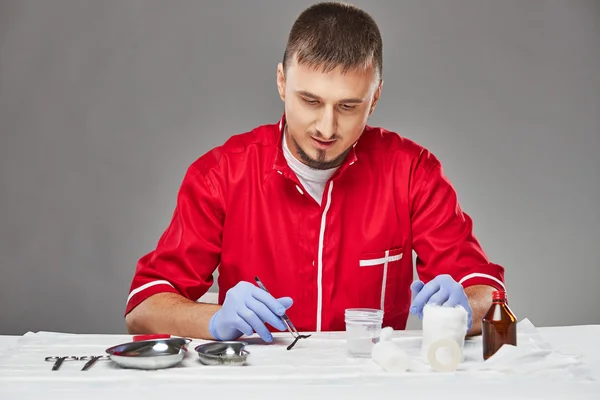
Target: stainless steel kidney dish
149	354
223	353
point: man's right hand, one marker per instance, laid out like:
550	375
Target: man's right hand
246	310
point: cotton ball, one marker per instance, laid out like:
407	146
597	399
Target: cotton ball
386	334
390	357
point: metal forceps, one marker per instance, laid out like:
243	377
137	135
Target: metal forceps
59	360
91	360
288	323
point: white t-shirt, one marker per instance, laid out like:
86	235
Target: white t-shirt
313	180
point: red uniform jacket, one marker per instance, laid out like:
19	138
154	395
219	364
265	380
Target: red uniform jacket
242	209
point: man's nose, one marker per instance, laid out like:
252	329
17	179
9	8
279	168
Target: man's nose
327	124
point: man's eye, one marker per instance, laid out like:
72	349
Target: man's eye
311	102
347	107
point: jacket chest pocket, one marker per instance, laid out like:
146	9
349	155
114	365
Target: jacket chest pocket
378	273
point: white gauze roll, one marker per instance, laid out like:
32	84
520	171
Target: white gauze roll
390	357
444	330
386	334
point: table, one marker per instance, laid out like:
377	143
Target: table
323	375
7	341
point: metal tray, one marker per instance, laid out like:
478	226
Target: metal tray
223	353
149	354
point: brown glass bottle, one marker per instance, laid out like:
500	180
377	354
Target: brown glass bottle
499	326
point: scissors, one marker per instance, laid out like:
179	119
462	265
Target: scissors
59	360
288	323
91	360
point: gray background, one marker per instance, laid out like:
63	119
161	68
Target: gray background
104	104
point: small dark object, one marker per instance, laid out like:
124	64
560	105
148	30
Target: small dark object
286	320
296	340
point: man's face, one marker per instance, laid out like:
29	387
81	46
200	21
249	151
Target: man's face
325	112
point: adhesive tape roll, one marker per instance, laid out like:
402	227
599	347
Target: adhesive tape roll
455	359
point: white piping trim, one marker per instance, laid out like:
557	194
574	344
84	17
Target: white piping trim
480	275
379	261
146	286
385	268
320	260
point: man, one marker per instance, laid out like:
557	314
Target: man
323	208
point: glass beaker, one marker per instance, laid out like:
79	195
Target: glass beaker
363	328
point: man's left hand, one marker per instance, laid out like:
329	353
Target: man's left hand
443	290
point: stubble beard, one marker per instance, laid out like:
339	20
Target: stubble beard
319	162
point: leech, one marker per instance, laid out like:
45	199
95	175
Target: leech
296	340
286	320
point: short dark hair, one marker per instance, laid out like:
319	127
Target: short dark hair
335	34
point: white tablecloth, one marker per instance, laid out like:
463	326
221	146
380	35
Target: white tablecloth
316	368
7	341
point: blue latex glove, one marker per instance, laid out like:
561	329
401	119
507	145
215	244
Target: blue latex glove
245	310
443	290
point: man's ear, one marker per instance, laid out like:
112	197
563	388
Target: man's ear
281	81
376	97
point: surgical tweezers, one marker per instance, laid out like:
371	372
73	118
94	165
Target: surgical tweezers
288	323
